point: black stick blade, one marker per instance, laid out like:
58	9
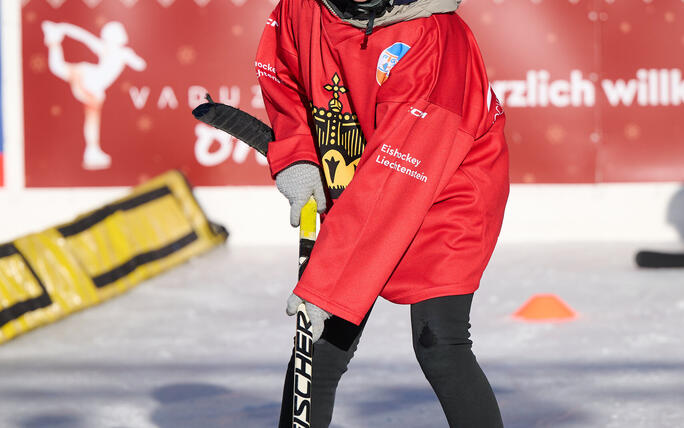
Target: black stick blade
659	259
237	123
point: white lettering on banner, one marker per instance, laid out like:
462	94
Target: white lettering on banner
227	145
651	87
257	99
139	96
229	96
167	98
270	22
655	87
226	95
620	92
196	96
396	165
538	91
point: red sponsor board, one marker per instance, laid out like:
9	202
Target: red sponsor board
593	89
642	44
102	112
523	44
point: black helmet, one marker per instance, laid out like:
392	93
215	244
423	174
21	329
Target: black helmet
366	10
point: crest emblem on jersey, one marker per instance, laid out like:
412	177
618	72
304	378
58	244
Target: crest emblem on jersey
340	140
388	59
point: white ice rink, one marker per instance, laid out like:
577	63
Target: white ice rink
206	345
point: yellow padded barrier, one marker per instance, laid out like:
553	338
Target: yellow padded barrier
48	275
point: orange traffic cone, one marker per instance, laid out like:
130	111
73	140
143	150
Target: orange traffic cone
545	308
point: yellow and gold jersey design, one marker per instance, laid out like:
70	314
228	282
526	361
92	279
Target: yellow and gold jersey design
340	140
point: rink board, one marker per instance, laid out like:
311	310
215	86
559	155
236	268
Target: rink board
48	275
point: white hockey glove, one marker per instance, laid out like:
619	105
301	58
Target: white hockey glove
317	316
298	182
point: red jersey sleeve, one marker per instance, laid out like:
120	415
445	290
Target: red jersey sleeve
276	68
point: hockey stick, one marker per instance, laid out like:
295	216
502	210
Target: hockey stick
303	344
236	122
258	135
659	259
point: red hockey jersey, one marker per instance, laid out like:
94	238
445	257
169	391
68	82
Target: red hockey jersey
410	138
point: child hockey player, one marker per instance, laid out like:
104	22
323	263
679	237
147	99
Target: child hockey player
385	108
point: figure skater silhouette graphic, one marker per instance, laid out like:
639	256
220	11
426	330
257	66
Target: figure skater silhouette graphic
89	81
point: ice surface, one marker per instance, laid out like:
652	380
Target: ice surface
206	344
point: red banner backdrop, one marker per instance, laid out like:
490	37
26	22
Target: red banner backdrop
141	92
642	44
593	88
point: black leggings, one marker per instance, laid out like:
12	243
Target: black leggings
443	349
